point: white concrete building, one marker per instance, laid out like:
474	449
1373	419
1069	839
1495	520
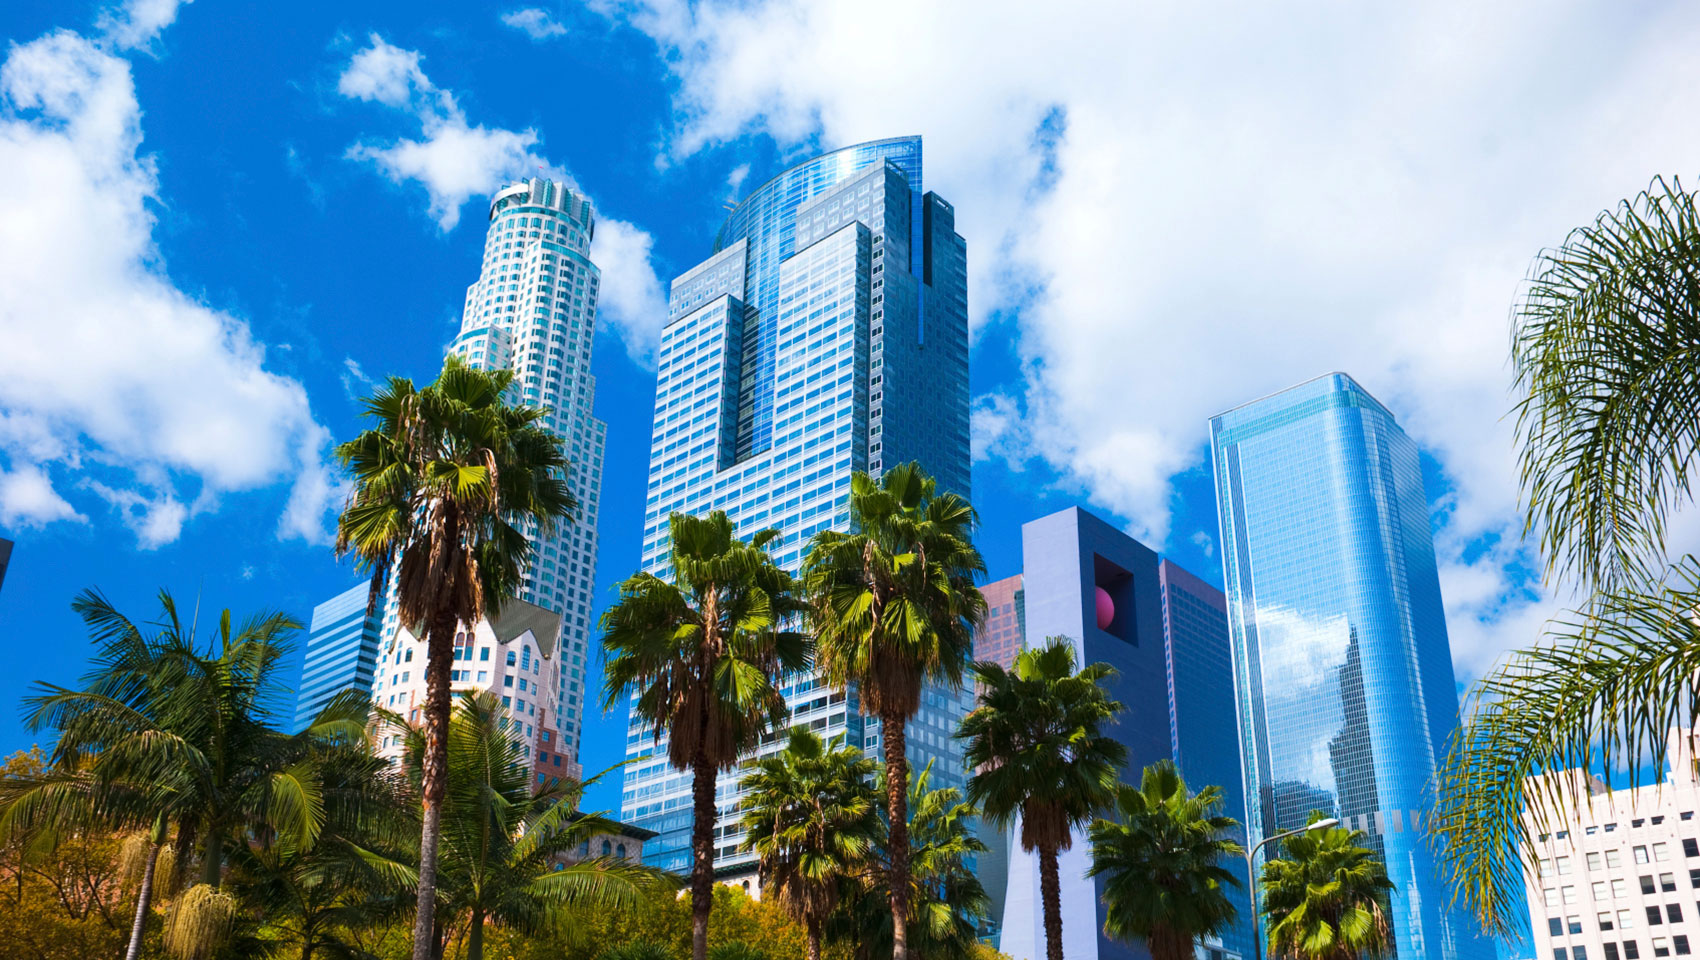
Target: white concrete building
514	657
1618	876
533	310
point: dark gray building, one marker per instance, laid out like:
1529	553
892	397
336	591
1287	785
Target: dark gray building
5	558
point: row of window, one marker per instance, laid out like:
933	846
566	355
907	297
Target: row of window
1631	950
1643	853
1635	824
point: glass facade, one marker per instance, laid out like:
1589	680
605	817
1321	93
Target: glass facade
341	652
1346	696
533	310
813	343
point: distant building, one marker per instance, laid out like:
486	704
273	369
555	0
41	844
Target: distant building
341	653
514	657
1163	631
1617	876
825	334
1346	696
5	558
626	844
999	640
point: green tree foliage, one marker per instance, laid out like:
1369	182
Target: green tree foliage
946	900
1162	863
702	654
1037	748
1326	899
811	815
895	607
446	483
1605	348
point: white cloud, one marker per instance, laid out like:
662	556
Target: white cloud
536	22
138	22
456	161
108	370
1196	204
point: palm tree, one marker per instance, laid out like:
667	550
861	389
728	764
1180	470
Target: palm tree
946	900
895	607
703	655
1326	900
812	817
1162	863
506	848
1038	751
447	485
169	735
1606	343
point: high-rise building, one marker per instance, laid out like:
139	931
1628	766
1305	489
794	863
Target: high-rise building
827	334
1119	604
1346	696
341	653
533	310
1000	639
5	558
1615	870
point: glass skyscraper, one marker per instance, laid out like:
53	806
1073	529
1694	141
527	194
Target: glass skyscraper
827	333
1346	695
341	653
533	310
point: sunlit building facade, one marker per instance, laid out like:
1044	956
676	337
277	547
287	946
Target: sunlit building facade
341	652
827	334
1346	695
533	310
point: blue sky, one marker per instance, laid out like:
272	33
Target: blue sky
221	220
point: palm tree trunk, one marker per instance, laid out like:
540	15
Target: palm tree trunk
702	853
1050	891
212	857
439	651
144	897
814	938
897	808
475	937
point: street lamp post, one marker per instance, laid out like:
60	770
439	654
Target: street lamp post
1251	877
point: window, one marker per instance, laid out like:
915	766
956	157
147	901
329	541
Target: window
1647	885
1680	942
1600	890
1613	858
1544	868
1575	924
1654	917
508	681
1564	866
1660	947
1611	951
483	653
1594	861
1661	852
1631	951
1559	954
1579	952
1569	894
1673	912
1640	854
1694	877
1688	814
1667	882
1658	820
1690	847
1619	887
1605	919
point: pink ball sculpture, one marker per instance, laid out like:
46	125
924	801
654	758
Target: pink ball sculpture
1106	608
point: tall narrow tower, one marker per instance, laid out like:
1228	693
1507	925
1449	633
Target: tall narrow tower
533	310
1343	671
827	334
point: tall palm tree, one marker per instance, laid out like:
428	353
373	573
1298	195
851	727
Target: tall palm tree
703	655
1327	898
168	735
507	849
895	608
447	485
1162	863
1038	750
1606	342
812	817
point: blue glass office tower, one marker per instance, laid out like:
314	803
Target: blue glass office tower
1344	675
828	333
341	654
1167	638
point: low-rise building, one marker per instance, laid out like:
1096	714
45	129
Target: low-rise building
1615	874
